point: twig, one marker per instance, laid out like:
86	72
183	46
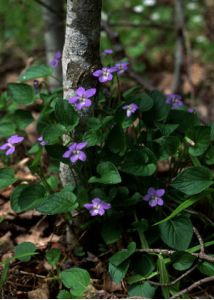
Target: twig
167	252
193	286
176	280
201	242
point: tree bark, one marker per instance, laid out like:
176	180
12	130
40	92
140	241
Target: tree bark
53	15
81	54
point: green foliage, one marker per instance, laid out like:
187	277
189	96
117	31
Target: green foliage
53	256
77	280
35	72
64	201
193	180
21	93
108	174
26	197
177	232
144	290
25	251
7	177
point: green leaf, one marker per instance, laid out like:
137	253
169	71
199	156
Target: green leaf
7	129
93	137
25	251
209	156
76	279
193	180
116	140
187	203
206	268
66	115
185	119
53	256
111	231
63	294
200	136
166	129
160	110
177	233
139	162
144	290
53	133
26	197
117	273
183	261
122	255
6	177
143	265
58	203
22	118
21	93
35	72
164	276
108	174
145	103
168	146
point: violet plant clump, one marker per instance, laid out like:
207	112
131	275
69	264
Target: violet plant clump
132	151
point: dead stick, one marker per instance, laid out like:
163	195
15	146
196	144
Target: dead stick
193	286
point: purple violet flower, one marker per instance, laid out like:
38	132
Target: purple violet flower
105	74
41	141
9	146
108	51
74	152
97	207
130	109
56	59
121	67
191	110
153	197
175	101
81	99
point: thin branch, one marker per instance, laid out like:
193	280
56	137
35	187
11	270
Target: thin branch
201	242
167	252
193	286
176	280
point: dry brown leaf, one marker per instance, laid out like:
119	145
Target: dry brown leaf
39	293
36	238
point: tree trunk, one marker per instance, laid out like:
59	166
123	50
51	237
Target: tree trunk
80	54
53	15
